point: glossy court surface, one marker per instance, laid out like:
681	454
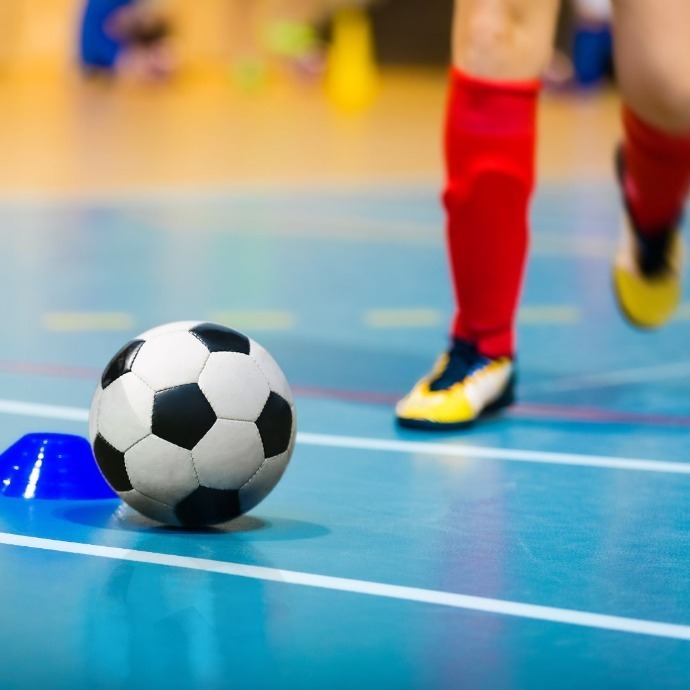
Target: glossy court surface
545	548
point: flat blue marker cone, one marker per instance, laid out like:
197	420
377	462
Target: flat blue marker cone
55	466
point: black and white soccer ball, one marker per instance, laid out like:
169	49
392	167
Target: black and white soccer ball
192	423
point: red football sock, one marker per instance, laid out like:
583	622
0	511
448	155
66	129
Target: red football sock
489	147
657	173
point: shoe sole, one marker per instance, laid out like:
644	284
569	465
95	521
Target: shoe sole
631	318
628	316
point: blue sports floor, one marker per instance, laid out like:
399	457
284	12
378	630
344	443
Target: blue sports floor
548	548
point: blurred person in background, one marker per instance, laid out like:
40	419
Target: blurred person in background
132	37
592	50
583	55
283	34
126	36
266	33
500	49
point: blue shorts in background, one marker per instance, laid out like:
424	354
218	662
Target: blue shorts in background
97	49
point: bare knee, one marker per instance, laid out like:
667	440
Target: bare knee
652	54
665	102
490	40
503	39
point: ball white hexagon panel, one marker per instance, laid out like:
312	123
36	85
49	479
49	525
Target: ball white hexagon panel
171	359
272	370
160	470
229	455
263	482
124	412
93	412
155	510
234	385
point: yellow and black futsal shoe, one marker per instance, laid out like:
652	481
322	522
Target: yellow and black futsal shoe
647	271
463	386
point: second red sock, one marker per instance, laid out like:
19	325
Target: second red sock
657	173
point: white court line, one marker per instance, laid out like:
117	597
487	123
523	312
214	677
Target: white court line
377	589
462	451
25	409
76	414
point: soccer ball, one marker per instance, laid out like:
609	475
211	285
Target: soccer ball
192	423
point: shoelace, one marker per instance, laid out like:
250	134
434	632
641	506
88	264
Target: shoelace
463	357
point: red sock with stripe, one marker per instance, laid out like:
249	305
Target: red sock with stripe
489	147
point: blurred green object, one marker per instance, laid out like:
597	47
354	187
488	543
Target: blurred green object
250	74
291	39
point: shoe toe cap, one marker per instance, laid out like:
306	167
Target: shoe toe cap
647	303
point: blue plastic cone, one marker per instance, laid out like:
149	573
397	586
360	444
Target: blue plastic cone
54	466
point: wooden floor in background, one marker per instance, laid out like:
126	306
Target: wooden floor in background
63	135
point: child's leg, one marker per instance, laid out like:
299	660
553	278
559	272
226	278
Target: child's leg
500	48
500	51
652	53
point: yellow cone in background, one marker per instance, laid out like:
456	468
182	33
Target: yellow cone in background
351	71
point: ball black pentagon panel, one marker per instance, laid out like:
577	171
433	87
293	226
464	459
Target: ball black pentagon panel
111	462
206	506
275	425
121	363
219	338
182	415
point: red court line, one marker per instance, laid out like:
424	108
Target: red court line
521	410
595	415
57	370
